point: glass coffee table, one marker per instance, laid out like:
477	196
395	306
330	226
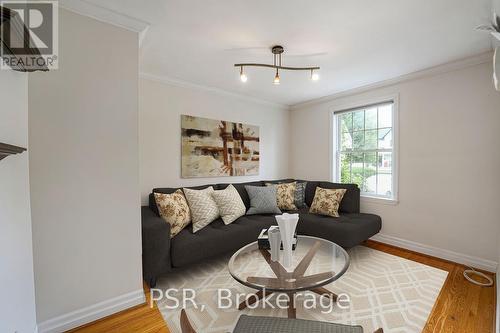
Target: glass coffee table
316	262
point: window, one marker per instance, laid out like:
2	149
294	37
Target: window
365	151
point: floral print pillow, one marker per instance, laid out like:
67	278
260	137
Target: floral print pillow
327	201
174	209
285	195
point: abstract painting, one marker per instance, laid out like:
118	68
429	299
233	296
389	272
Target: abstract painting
213	148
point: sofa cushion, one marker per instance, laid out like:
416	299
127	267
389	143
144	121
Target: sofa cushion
310	191
258	222
300	194
285	195
240	187
262	200
347	230
300	190
174	209
229	203
327	201
203	208
168	190
350	201
216	239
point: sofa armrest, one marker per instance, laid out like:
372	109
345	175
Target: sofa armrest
155	245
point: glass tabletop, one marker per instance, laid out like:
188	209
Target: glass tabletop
315	263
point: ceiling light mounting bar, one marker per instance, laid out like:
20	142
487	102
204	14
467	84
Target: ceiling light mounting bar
278	65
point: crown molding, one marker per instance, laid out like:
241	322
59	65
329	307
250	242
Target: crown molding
185	84
106	15
432	71
142	35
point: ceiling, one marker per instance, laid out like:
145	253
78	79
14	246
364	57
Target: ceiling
354	42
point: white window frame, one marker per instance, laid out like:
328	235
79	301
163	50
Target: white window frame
335	142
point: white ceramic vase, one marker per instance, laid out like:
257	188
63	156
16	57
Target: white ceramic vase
287	224
275	243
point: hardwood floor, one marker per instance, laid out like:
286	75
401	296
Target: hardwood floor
461	306
142	318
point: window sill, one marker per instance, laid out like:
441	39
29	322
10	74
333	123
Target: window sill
377	200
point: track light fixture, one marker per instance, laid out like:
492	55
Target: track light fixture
277	77
277	53
243	76
314	75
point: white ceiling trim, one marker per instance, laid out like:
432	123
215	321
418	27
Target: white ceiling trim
186	84
106	15
437	70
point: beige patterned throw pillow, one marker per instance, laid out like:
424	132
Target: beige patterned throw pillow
285	195
174	209
327	201
203	207
229	203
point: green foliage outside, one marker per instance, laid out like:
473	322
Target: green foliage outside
360	131
358	175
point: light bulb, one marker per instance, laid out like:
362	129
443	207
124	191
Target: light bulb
243	76
314	76
276	79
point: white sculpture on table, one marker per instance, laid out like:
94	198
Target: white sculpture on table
287	224
275	243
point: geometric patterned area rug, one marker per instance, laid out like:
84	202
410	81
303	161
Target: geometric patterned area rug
384	290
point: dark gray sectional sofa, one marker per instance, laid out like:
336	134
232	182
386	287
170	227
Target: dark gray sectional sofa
161	254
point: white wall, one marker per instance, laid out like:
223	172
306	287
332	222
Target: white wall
449	159
17	303
84	160
160	107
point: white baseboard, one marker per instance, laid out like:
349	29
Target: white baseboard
91	313
464	259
